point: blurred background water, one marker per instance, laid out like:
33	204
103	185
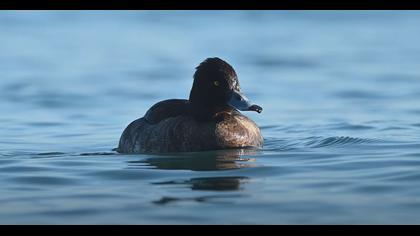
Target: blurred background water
340	92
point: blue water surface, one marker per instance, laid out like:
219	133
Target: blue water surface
341	98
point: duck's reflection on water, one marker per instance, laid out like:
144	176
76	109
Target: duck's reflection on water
220	183
167	200
199	161
223	183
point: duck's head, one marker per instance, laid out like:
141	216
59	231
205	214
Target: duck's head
216	87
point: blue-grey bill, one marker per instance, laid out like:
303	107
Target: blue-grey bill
242	103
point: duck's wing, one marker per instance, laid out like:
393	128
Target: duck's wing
166	109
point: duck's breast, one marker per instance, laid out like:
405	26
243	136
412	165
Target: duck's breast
238	131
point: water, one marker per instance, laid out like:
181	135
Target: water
340	92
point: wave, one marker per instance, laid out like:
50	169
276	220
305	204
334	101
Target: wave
273	144
318	142
58	154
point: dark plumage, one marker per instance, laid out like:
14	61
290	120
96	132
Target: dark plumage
207	121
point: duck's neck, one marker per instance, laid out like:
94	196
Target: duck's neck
202	112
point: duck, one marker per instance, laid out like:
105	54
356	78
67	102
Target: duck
209	120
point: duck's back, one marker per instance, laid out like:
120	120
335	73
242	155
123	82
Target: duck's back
169	127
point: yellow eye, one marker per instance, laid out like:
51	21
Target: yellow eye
216	83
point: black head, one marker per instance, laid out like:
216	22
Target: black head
216	87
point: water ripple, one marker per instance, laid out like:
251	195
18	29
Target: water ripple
43	180
336	141
16	169
348	126
273	144
286	62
